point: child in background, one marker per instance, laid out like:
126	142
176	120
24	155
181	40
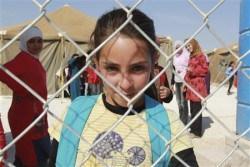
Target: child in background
164	92
77	87
228	72
94	83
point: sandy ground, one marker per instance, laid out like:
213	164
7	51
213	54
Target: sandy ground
215	144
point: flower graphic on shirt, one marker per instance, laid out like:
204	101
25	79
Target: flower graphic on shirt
111	142
111	146
138	155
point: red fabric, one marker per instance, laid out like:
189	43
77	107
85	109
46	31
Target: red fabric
195	76
2	140
162	81
92	76
25	107
235	81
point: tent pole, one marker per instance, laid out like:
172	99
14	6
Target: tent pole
61	66
62	71
2	33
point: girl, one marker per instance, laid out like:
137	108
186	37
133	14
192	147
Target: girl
162	86
33	148
126	61
195	76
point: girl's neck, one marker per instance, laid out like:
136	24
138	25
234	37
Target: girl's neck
120	110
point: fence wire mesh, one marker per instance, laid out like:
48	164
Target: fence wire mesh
167	59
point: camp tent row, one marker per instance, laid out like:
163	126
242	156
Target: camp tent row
57	50
219	59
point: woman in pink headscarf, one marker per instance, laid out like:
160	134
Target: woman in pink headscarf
180	63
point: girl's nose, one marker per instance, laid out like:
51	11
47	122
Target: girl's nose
125	83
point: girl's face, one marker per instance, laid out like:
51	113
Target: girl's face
189	47
125	62
35	45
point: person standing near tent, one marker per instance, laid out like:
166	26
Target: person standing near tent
228	72
77	86
180	64
127	62
164	92
34	147
208	76
94	82
195	76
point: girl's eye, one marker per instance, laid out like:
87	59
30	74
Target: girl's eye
138	68
111	68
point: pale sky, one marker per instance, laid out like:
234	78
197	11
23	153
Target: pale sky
174	18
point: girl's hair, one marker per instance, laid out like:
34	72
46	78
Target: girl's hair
196	47
112	20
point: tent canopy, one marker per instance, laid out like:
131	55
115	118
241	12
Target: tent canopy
76	24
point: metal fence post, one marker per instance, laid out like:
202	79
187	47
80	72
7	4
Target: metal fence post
243	106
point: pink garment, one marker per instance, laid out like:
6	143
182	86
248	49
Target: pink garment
180	62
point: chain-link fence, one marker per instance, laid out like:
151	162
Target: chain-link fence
166	59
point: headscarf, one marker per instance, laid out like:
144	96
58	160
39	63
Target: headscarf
196	47
184	50
27	35
180	61
176	43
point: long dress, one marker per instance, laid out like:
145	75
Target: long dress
25	107
196	77
2	140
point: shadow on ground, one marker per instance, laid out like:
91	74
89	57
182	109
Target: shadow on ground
206	123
